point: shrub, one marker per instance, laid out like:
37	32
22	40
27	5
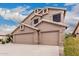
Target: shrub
0	40
7	41
9	38
3	42
71	46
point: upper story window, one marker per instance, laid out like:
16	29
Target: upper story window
35	21
57	17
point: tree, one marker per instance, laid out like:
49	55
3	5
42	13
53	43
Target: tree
9	38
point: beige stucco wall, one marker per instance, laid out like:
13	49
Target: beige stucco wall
26	30
44	26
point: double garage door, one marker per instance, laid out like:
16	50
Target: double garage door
48	38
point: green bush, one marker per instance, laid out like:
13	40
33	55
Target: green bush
0	40
7	41
71	46
3	42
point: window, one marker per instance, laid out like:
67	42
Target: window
57	17
35	21
21	27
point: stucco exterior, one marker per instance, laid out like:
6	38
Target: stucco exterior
45	32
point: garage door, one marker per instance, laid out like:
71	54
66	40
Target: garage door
49	38
24	38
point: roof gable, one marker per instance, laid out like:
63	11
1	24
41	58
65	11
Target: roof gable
47	21
30	27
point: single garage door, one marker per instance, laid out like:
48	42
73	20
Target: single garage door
24	38
49	38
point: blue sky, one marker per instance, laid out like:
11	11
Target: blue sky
11	14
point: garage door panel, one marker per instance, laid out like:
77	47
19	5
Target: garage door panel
50	38
24	38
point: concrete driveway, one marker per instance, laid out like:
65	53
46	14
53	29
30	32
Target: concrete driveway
28	50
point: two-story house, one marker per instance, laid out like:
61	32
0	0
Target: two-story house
43	26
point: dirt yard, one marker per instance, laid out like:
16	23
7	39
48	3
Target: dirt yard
28	50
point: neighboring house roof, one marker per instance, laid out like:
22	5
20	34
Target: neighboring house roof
75	28
56	23
26	26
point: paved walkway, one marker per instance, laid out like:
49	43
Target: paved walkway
28	50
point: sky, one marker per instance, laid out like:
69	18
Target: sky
11	14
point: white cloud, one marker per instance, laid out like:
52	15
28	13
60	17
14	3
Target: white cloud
15	13
6	29
72	18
